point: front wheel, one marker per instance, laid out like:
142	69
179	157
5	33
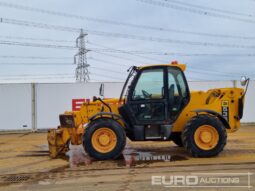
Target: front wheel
104	139
204	136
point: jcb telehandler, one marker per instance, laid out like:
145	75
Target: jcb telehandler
155	105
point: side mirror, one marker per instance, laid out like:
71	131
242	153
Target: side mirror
101	90
244	80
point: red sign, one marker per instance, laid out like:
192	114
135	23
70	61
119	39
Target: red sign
76	103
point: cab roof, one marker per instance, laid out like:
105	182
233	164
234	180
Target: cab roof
172	64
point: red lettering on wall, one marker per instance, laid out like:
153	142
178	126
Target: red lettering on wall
76	103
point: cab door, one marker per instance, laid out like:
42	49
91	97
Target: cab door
147	99
157	96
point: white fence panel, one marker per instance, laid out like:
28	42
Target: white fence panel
249	106
53	99
199	85
15	106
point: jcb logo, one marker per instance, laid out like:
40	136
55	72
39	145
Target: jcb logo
225	109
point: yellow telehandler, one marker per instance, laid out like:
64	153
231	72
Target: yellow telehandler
155	104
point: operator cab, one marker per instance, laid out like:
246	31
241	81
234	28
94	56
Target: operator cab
155	98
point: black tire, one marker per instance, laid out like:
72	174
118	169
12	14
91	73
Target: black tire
192	126
104	123
177	138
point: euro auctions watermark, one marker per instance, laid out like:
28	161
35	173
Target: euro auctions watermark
203	180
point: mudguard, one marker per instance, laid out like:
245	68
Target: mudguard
221	118
109	115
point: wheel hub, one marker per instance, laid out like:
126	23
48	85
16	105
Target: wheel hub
104	140
206	137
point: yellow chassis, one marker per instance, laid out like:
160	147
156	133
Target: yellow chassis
215	100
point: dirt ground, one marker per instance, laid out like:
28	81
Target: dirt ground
25	165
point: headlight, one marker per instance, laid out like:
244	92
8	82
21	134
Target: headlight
66	121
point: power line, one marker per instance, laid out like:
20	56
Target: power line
46	78
38	45
35	64
35	39
106	76
33	76
209	8
135	52
163	40
132	52
137	37
69	64
55	77
32	57
118	57
125	52
195	70
196	11
30	75
190	69
211	72
107	70
109	62
38	25
215	72
165	53
112	22
67	75
210	54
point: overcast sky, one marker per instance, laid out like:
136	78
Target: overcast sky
208	56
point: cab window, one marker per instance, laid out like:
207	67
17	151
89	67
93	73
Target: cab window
177	90
150	85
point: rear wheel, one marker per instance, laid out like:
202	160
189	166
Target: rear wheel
104	139
204	136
